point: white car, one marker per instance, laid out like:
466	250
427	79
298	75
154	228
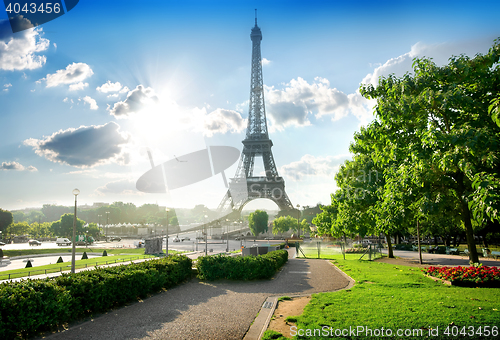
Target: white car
185	238
176	239
61	241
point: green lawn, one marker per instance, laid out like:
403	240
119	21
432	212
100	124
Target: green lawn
327	252
398	298
120	255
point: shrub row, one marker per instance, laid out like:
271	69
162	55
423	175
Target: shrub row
29	307
241	267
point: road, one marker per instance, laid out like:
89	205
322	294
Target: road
189	246
441	259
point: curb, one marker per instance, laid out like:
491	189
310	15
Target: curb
261	322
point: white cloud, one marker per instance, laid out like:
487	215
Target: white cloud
84	147
123	187
78	86
91	102
112	87
223	121
19	51
294	104
73	74
16	166
310	165
440	54
137	100
265	62
7	85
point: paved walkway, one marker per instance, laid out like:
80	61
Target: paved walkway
207	310
440	259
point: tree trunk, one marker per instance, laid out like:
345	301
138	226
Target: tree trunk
418	244
466	217
390	253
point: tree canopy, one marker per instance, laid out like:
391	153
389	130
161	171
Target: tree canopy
257	222
434	147
5	219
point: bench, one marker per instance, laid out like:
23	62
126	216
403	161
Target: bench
452	251
465	252
487	253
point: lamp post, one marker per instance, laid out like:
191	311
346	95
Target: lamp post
167	210
75	192
298	217
227	235
107	224
99	225
206	243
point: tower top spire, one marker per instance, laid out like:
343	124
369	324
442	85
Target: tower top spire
256	17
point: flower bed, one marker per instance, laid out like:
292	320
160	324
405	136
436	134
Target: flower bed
482	276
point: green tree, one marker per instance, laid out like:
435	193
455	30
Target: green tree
283	224
64	227
257	222
37	230
19	228
439	122
5	219
19	216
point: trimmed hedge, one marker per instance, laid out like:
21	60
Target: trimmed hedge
241	267
32	306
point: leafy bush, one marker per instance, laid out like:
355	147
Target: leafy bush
31	306
104	253
241	267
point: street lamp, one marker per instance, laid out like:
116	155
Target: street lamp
227	235
206	244
298	217
75	192
107	224
167	210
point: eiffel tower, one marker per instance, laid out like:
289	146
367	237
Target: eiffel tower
256	143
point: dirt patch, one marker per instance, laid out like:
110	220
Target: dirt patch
293	307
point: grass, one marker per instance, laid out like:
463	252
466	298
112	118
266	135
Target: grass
398	298
57	267
283	298
329	253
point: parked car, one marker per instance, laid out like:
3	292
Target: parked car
177	239
34	243
62	241
185	238
115	238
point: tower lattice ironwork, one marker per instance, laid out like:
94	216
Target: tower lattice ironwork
256	143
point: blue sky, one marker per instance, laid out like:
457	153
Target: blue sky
84	96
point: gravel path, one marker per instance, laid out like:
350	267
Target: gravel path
206	310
